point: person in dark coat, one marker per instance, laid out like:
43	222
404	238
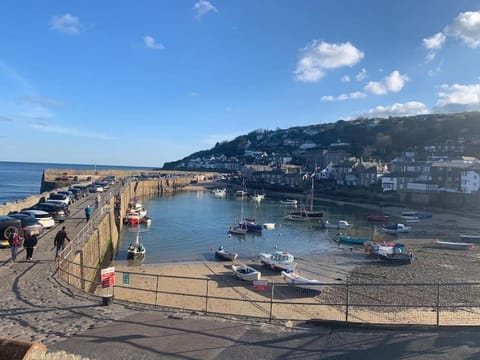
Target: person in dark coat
29	244
59	241
15	242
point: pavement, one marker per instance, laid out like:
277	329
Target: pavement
35	307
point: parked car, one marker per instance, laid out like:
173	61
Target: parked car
83	189
7	226
42	217
77	193
30	225
57	211
94	188
70	195
56	196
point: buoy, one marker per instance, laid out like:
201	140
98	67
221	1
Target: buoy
229	235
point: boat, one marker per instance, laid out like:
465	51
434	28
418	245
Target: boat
146	221
269	226
297	217
136	207
455	245
395	228
388	248
474	238
410	216
257	197
301	282
225	254
246	273
351	240
251	225
396	258
281	260
132	219
237	230
339	225
219	192
136	249
378	218
243	192
291	202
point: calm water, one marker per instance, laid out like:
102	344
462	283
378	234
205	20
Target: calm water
19	180
189	226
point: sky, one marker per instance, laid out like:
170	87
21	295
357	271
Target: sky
143	82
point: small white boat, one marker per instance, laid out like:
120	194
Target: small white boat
470	237
300	281
269	226
246	273
455	245
136	249
339	225
219	192
257	197
281	260
225	254
291	202
395	228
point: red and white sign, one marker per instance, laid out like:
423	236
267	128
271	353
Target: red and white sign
260	285
107	277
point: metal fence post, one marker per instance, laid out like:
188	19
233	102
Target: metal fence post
206	297
156	292
438	304
271	301
346	304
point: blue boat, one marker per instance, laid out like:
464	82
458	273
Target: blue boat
251	225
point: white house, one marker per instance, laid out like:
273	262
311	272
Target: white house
470	181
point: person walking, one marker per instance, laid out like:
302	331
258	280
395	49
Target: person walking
98	198
59	241
88	212
29	244
15	242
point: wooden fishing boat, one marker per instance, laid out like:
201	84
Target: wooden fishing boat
301	281
224	254
397	258
395	228
246	273
339	225
279	260
350	240
455	245
466	237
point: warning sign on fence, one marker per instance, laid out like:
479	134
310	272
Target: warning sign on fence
126	278
107	277
260	285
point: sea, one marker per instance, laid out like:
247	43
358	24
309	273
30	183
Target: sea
189	226
19	180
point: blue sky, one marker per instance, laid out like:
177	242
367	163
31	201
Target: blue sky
148	81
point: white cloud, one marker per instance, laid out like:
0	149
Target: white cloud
345	78
342	97
37	112
66	23
361	75
203	7
407	109
457	98
319	56
391	83
151	43
375	88
433	44
466	27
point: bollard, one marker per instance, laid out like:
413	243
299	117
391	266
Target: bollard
107	300
20	349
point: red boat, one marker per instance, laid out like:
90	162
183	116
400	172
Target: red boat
378	218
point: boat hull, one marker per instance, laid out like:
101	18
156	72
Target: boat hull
301	282
226	255
454	245
246	273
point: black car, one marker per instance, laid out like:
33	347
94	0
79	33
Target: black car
59	212
29	225
7	226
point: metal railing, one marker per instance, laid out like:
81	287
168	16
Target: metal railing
372	303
